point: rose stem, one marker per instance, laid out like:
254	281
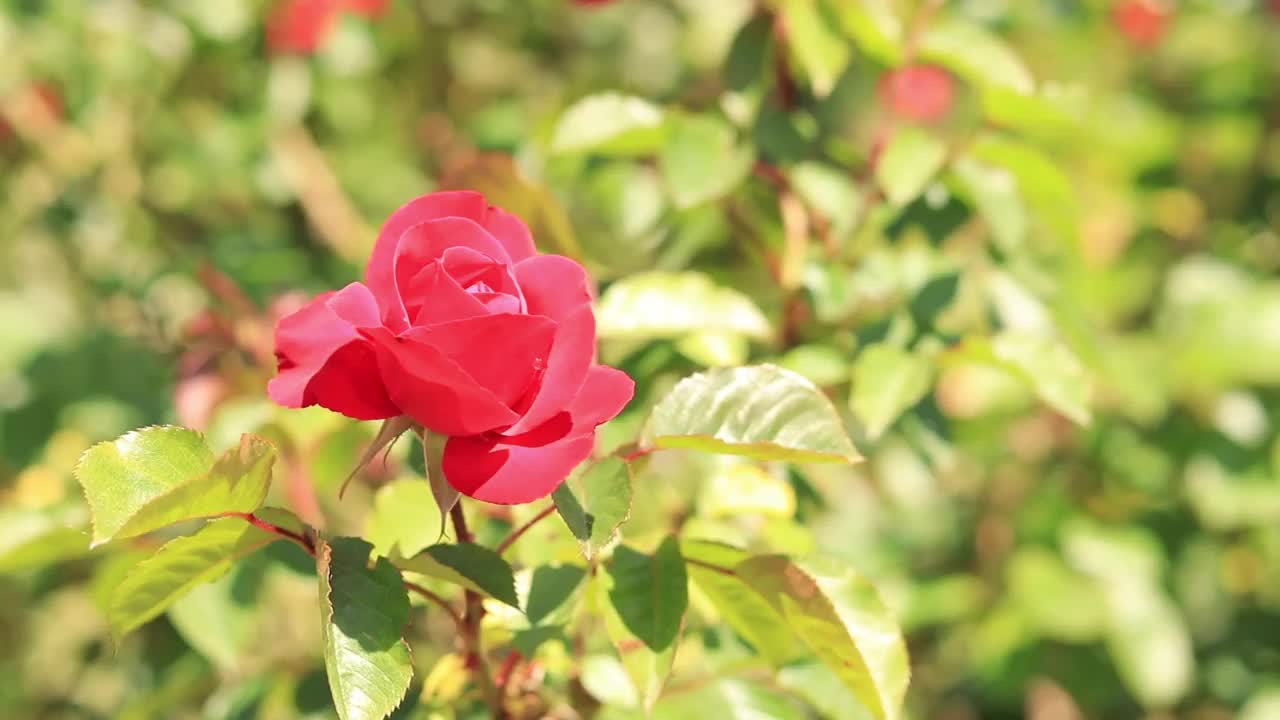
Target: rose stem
307	544
470	627
515	534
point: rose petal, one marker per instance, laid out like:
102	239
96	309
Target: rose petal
471	268
324	360
434	390
505	354
380	274
553	285
431	240
572	353
523	468
439	298
511	232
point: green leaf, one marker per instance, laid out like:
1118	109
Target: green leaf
405	518
1149	643
875	29
910	161
238	482
472	566
364	611
650	592
601	504
994	193
702	159
732	699
34	538
528	641
759	411
610	123
1040	182
549	588
974	53
739	487
607	680
887	381
648	670
830	191
654	305
711	570
1052	370
155	583
819	49
120	477
839	615
745	64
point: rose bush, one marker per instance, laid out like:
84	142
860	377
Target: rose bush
461	326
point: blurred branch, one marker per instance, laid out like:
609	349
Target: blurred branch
328	209
470	628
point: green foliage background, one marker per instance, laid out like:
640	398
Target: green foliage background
1051	322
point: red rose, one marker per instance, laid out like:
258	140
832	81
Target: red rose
302	26
922	93
1142	21
463	327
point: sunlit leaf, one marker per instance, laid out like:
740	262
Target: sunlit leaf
702	159
610	123
120	477
976	54
875	29
887	381
733	699
669	305
32	538
757	411
550	587
237	482
710	567
155	583
911	159
817	46
742	488
363	610
841	618
597	504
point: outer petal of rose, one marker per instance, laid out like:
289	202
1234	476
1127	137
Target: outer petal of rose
325	361
571	355
380	274
553	285
520	469
511	232
505	354
433	390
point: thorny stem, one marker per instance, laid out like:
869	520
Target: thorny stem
470	629
515	534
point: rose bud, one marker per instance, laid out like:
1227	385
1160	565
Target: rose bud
462	327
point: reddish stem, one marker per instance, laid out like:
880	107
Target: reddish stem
515	534
432	597
307	543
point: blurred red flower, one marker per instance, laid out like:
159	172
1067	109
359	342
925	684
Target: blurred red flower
1143	22
302	26
923	93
